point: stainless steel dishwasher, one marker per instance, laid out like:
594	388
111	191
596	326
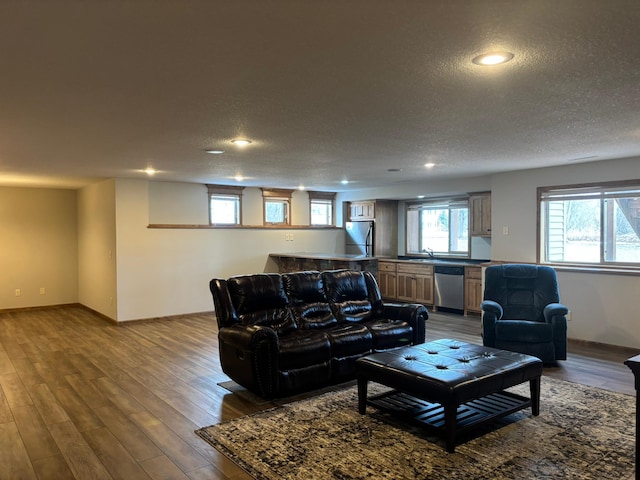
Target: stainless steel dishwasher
449	286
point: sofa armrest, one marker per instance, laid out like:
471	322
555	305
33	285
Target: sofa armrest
249	356
414	314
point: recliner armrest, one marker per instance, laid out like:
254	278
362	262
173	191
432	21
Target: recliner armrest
494	308
248	337
556	315
491	313
554	309
249	356
415	314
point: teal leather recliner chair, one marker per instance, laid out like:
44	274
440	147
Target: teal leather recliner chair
521	311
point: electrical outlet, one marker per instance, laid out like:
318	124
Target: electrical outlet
505	230
291	237
18	292
568	316
43	291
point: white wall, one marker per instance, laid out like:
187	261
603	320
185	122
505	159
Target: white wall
38	247
97	250
164	272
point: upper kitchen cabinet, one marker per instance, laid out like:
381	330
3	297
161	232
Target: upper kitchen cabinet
385	215
480	214
362	210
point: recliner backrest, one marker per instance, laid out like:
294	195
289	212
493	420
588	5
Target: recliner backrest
349	295
307	299
522	290
260	299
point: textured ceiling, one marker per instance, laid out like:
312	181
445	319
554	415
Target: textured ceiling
326	90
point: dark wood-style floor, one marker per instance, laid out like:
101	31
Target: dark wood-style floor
82	398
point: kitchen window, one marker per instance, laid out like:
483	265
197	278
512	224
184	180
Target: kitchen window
438	227
225	205
590	224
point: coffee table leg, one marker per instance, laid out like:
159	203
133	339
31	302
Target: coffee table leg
362	395
534	385
450	420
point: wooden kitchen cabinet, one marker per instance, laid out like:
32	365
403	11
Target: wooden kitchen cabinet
387	279
472	289
385	215
480	214
415	283
365	210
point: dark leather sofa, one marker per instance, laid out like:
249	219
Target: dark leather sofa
285	333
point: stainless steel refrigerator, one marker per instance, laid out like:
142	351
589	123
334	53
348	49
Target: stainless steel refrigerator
359	240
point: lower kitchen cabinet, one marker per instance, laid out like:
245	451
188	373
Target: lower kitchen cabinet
415	283
472	289
387	280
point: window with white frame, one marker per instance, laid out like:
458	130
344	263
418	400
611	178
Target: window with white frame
590	224
225	205
438	227
321	208
277	206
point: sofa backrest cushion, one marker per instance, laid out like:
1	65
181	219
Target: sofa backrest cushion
307	299
348	295
260	299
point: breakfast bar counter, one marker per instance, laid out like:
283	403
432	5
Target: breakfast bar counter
299	261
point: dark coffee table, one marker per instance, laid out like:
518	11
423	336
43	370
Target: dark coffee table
448	385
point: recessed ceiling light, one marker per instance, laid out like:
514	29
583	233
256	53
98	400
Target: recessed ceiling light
150	171
420	196
301	187
430	165
493	58
344	182
238	178
215	152
241	142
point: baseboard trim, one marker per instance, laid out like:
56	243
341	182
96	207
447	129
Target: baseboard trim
168	317
39	307
630	351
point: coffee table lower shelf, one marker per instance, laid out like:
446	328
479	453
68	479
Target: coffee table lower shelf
469	416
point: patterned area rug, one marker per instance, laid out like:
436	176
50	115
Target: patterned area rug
581	433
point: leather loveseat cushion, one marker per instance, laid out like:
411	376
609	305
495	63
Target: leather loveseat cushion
307	300
261	300
303	348
348	295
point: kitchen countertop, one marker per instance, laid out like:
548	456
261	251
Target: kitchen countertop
454	262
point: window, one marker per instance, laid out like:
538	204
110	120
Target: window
439	227
277	206
321	208
225	204
587	224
